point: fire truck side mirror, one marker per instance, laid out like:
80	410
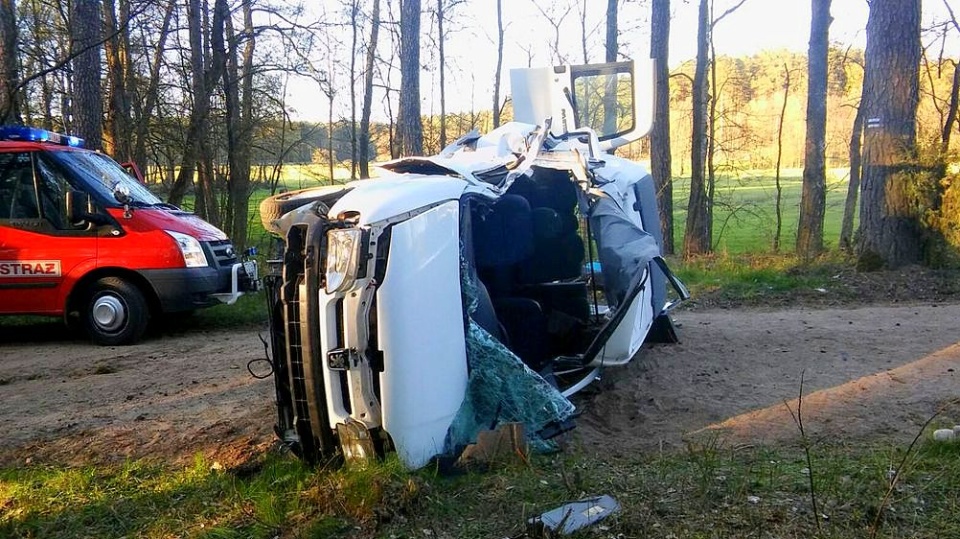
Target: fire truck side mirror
77	206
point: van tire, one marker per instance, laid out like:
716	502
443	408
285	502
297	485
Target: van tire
275	207
115	313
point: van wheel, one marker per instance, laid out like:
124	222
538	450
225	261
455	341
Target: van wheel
115	312
275	207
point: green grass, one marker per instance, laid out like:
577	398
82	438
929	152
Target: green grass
745	210
753	278
709	490
249	310
150	500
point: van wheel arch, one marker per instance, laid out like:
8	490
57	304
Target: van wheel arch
80	295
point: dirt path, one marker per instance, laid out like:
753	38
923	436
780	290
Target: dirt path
171	396
874	372
869	373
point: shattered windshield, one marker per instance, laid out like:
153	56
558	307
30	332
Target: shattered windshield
501	388
103	175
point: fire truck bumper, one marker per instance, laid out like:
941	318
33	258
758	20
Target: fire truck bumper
186	289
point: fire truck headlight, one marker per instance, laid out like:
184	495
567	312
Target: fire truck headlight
343	256
191	249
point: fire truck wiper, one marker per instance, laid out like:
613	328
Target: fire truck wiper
160	205
165	205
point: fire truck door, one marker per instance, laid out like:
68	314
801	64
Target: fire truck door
38	247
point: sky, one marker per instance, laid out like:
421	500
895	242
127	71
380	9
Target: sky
471	45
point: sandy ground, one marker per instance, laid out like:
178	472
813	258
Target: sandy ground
869	374
173	396
872	373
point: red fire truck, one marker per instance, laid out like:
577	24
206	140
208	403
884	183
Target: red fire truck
82	239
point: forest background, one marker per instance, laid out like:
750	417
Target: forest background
218	100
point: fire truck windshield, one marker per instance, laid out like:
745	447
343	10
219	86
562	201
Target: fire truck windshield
103	175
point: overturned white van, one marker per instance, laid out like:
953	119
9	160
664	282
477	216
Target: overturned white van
480	286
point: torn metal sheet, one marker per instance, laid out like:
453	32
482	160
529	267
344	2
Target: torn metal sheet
572	517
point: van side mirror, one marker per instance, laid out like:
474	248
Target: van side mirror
77	206
79	209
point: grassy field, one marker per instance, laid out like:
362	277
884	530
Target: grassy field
706	491
745	210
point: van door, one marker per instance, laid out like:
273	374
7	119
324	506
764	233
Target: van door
39	248
614	100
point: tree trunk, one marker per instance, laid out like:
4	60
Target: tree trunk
610	48
130	76
853	187
85	38
612	26
890	230
152	94
354	12
696	238
46	98
583	32
779	187
117	56
443	70
951	112
196	153
368	92
330	96
207	204
713	98
410	128
237	116
660	159
196	127
9	60
496	78
813	197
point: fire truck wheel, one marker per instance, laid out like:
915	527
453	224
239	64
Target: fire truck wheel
115	312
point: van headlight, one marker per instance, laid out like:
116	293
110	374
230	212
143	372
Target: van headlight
343	257
190	248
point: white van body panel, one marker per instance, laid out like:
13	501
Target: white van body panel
538	94
621	174
626	340
421	333
393	195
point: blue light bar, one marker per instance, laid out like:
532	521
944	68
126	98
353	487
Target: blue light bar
33	134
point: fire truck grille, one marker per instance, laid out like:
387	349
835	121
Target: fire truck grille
223	253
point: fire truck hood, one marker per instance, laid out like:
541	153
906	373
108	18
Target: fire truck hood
178	221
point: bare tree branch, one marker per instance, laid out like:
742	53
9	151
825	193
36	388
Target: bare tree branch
727	12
